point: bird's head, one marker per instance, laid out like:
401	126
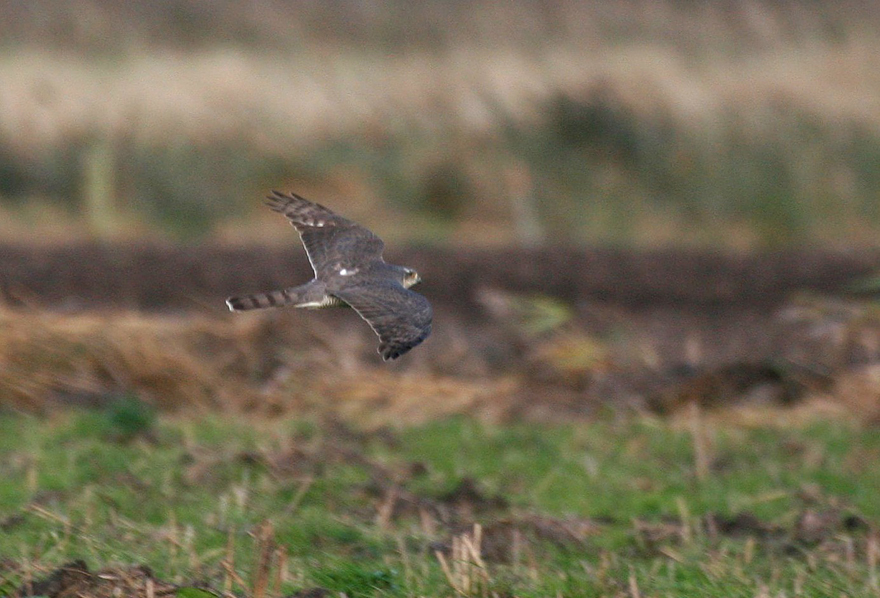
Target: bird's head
410	277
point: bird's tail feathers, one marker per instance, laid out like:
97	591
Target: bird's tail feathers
261	300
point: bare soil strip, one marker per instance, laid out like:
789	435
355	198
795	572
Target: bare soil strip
157	277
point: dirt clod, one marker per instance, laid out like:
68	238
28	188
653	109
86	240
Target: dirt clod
74	580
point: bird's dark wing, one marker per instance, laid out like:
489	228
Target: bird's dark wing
400	317
331	241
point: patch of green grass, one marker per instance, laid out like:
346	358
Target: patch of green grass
588	509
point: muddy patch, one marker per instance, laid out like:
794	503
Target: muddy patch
822	527
76	580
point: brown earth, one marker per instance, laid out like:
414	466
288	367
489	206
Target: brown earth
518	333
156	277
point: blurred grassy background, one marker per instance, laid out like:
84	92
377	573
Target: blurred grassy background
742	124
688	422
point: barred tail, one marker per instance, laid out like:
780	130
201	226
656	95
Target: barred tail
261	300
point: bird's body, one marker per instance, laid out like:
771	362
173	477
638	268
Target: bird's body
349	271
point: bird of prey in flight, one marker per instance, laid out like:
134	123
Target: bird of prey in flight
349	271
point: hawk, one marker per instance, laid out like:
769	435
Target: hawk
349	271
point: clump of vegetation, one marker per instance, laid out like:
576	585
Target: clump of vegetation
130	417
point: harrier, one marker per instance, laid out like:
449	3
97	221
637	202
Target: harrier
349	271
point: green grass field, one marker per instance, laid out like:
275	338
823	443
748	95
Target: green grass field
631	507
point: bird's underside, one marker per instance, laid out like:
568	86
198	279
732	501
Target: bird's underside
349	271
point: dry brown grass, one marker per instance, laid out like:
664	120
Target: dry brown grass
858	391
278	363
290	103
87	358
376	397
750	70
745	25
234	364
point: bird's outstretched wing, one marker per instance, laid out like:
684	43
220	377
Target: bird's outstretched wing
400	317
331	241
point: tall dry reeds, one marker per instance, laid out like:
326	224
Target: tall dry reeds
754	120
